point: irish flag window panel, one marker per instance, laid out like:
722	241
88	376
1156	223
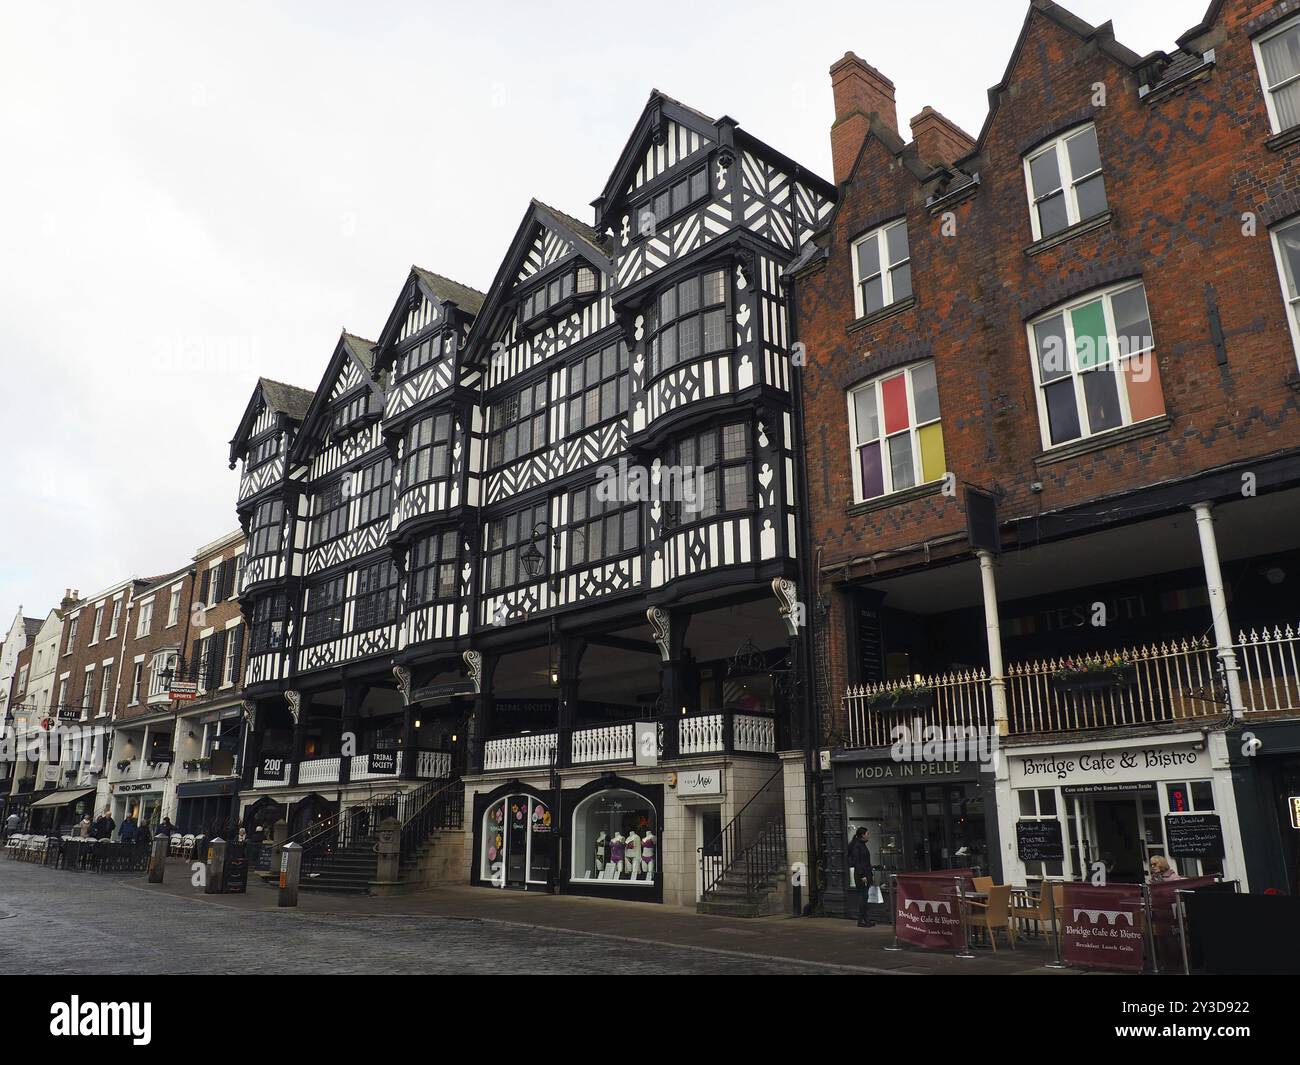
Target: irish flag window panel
1095	365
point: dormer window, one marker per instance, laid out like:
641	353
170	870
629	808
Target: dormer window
358	410
556	298
678	196
263	450
417	356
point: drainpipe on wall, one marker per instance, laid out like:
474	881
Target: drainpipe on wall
1218	603
811	729
993	633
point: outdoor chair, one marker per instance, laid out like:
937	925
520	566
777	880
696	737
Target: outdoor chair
1040	913
982	883
994	915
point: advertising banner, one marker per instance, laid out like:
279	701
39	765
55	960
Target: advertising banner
1164	919
927	911
1103	926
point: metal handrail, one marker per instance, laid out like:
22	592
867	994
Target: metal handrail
730	842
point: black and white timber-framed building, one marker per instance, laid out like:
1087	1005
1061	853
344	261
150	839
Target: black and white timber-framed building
544	539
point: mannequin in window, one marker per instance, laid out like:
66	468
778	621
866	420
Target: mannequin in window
615	866
632	854
648	854
600	854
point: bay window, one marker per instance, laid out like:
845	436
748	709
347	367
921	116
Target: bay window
267	633
330	513
599	528
1095	366
428	443
433	569
598	387
518	425
895	431
506	539
687	320
376	599
713	474
1065	182
882	268
323	618
264	530
374	491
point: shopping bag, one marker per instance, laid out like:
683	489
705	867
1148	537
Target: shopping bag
874	896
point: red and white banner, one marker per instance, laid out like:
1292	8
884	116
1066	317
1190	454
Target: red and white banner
1103	926
927	911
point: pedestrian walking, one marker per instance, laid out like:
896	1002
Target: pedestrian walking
860	863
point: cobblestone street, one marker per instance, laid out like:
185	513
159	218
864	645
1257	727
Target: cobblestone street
56	922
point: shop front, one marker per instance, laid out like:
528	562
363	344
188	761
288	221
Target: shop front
1265	757
920	816
58	812
514	838
199	804
1108	807
142	800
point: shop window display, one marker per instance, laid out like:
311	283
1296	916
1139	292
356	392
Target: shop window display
517	841
615	839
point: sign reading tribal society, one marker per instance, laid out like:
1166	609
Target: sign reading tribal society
927	911
1103	926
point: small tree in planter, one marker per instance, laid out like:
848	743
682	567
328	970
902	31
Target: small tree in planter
1095	673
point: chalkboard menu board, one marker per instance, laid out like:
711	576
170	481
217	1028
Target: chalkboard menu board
1039	841
1194	835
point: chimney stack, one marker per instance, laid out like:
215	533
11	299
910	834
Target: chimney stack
860	92
939	142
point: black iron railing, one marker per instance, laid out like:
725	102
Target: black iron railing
437	805
751	844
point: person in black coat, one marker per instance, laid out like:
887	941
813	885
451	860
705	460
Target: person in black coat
860	863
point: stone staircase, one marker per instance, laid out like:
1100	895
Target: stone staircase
732	895
754	881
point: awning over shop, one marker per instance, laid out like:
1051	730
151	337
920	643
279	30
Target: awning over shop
62	798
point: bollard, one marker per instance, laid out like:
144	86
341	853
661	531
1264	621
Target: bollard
893	905
389	850
158	858
1056	933
216	882
279	834
290	869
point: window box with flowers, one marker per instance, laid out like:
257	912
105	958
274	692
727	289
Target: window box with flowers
906	696
1097	673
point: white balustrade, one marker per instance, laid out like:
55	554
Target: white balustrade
532	749
319	770
606	743
754	734
433	765
701	734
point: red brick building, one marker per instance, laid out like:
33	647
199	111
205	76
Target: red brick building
1069	338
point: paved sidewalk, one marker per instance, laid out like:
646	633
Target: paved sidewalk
824	941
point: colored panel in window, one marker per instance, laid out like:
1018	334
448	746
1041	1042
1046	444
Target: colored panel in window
1062	411
902	466
925	396
1101	395
873	476
933	463
1049	339
893	395
1091	347
865	414
1142	381
1132	323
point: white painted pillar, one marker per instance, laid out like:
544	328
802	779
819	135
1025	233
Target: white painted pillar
993	632
1218	602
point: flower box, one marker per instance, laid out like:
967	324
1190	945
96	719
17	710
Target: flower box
902	700
1096	676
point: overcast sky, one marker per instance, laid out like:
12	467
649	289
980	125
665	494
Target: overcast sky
193	195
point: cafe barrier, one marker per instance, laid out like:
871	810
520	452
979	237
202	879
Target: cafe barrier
1103	926
1230	934
1163	936
929	912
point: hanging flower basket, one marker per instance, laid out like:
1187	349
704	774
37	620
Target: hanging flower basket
1095	674
903	698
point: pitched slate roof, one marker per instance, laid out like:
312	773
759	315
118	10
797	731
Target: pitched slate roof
466	298
33	626
580	229
363	349
286	399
